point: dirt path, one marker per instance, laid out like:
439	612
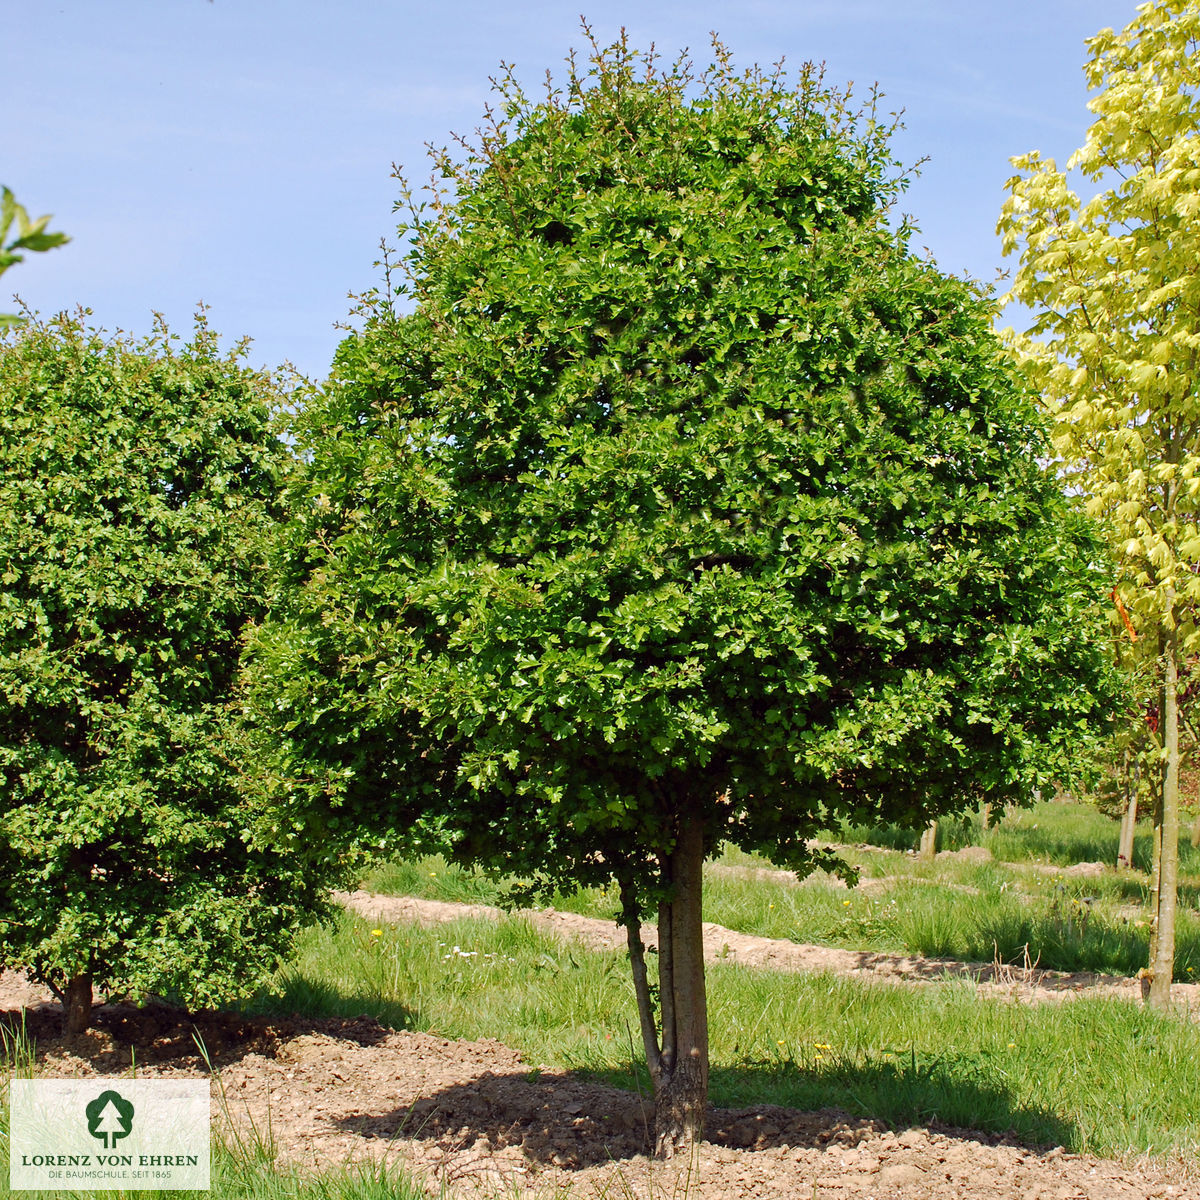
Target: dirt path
727	945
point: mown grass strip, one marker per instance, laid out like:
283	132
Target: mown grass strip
1009	904
969	913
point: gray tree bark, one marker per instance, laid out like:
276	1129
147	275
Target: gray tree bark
1130	774
928	849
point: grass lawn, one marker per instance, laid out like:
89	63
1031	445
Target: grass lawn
1101	1076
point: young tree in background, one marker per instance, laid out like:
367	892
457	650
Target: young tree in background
30	236
687	506
1115	350
138	486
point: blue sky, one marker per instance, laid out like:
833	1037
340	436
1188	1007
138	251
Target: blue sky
239	152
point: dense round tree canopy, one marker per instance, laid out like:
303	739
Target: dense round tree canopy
683	497
139	484
686	468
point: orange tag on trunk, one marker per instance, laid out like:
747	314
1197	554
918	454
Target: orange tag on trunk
1121	612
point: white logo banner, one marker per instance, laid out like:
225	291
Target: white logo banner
98	1133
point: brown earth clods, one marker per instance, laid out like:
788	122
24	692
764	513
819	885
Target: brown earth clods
477	1118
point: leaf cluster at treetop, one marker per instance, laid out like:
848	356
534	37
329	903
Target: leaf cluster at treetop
687	505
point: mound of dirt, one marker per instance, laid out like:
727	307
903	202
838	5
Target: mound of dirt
474	1117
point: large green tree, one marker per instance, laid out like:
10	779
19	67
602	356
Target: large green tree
139	483
686	505
1114	348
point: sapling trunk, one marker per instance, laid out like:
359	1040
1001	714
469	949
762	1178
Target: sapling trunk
1129	817
631	919
928	850
1156	845
77	1002
1128	827
1162	964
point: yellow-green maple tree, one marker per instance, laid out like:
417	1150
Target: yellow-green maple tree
1114	347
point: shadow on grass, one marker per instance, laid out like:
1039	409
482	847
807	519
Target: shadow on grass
155	1032
581	1119
300	995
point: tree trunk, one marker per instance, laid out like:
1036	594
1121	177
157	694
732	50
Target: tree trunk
1155	867
985	816
1129	818
1128	826
631	919
928	850
1162	965
77	1002
679	1067
681	1089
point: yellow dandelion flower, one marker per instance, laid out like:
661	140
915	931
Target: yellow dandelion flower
377	933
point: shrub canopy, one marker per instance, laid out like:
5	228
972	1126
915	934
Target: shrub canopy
684	470
139	482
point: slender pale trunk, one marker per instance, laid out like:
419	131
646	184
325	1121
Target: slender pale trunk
1162	964
1155	869
679	1065
77	1001
1128	827
1129	774
928	850
1156	844
985	816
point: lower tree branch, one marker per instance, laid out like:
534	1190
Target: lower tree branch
631	919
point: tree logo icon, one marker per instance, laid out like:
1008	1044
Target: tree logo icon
109	1117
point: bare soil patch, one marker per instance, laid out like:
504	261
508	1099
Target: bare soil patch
476	1117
